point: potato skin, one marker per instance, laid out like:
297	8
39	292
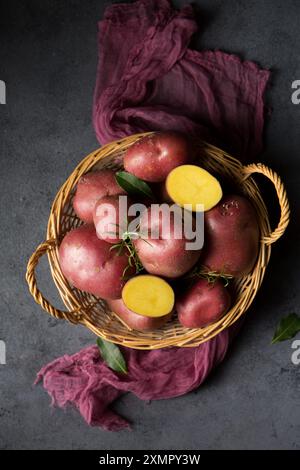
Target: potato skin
154	156
135	321
164	257
90	265
202	304
231	240
90	188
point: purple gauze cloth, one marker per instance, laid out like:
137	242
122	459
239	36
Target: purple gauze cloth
148	79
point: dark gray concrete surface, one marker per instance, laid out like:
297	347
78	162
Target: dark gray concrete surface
48	60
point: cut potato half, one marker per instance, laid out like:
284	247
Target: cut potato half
148	295
190	184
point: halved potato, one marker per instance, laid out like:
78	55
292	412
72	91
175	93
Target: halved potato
190	184
148	295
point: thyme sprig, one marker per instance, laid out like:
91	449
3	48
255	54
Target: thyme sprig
133	260
211	276
125	244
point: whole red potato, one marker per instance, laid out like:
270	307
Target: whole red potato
231	240
153	157
90	265
164	254
134	320
90	188
202	304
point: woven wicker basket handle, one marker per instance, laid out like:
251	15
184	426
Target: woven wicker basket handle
282	197
73	316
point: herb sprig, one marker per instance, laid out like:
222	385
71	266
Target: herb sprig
211	276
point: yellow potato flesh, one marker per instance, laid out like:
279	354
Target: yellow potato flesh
190	184
148	295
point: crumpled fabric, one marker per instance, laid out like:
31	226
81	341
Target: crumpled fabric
148	79
85	381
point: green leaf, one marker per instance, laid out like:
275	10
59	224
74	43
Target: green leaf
133	185
112	355
288	327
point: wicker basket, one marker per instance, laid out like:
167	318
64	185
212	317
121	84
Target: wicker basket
84	308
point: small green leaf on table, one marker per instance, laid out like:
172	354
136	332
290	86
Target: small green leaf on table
288	328
112	355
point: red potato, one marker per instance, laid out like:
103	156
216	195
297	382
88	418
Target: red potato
153	157
134	320
202	304
110	217
90	188
90	265
164	255
231	237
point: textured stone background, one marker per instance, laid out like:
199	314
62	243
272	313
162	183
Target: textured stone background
48	60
